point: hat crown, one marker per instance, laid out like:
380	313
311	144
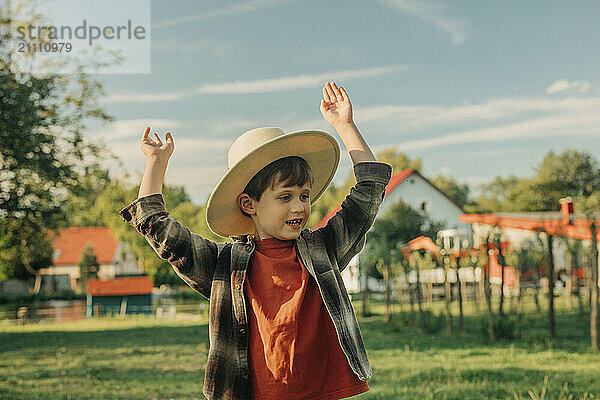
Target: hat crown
249	141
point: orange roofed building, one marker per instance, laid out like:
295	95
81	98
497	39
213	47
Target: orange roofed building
114	257
121	295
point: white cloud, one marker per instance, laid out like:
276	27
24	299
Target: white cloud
144	97
572	124
118	131
434	13
562	84
236	9
493	109
292	82
256	86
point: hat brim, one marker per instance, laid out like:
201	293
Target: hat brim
319	149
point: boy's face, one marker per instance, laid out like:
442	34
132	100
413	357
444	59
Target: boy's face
281	212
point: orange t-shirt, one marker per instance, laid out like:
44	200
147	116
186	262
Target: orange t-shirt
294	348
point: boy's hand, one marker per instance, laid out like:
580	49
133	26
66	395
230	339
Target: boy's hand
157	148
335	106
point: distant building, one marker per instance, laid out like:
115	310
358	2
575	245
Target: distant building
114	257
521	229
418	192
120	295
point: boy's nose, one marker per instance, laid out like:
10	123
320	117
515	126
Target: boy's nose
297	206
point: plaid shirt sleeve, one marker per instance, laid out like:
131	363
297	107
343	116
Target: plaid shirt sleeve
193	258
348	227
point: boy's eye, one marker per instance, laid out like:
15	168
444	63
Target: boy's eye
305	197
285	197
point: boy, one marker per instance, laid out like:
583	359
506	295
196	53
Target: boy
281	322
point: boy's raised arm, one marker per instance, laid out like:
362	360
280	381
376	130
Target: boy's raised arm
337	111
158	154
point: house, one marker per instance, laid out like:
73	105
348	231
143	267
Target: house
521	229
418	192
114	257
119	295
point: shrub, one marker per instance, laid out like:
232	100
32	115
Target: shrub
504	327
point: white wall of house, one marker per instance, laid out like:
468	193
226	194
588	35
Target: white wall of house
421	195
124	260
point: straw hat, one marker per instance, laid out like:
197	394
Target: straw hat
253	151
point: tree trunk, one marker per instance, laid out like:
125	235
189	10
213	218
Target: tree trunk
447	297
419	301
550	288
365	305
488	294
413	315
461	322
594	290
519	304
579	296
536	293
410	297
569	282
501	263
388	294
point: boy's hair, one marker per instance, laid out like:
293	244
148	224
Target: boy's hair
291	171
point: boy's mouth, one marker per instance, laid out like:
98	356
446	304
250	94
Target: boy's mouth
294	223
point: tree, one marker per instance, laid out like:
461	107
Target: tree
43	151
456	191
88	266
396	227
570	173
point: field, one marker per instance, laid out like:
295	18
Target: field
148	358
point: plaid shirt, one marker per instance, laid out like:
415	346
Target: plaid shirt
217	271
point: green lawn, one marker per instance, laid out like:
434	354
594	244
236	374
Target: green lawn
144	358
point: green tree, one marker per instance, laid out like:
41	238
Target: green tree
459	192
88	266
42	153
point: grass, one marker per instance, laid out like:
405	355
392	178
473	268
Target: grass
146	358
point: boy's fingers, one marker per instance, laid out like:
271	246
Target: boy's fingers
169	138
146	132
325	94
344	94
157	138
323	106
336	91
330	92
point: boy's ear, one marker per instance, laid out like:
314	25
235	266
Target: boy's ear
246	204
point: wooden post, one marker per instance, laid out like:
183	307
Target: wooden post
550	289
488	293
594	290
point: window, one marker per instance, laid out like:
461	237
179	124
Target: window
423	206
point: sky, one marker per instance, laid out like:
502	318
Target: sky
476	89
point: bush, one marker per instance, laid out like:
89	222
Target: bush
504	328
433	322
66	294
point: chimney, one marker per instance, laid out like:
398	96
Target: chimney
566	209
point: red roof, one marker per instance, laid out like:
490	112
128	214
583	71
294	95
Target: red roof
396	180
580	229
423	242
69	243
120	286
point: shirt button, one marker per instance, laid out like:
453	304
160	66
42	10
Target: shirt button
238	286
242	331
246	376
